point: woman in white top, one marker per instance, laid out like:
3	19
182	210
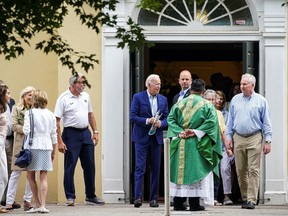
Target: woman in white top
42	148
3	132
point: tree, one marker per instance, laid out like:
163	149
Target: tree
21	20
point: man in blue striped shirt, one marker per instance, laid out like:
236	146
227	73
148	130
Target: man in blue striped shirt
248	126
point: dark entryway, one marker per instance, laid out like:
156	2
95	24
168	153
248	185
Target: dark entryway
202	60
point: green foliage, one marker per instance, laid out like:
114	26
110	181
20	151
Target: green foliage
157	5
153	5
132	36
21	20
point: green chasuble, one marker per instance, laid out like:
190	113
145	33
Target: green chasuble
194	158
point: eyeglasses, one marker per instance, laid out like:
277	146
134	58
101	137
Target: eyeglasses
83	82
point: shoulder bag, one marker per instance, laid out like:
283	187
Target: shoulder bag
24	157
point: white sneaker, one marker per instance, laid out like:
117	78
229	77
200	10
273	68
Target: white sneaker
70	202
228	202
44	210
34	210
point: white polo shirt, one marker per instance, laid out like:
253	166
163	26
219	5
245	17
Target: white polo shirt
73	110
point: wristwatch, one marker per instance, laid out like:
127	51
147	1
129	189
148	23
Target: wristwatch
268	142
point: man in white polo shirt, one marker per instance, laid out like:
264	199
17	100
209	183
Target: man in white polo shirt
74	108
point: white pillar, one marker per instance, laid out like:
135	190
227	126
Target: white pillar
276	94
115	109
112	121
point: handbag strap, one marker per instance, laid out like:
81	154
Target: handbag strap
31	127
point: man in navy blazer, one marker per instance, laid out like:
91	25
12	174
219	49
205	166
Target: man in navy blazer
143	107
185	80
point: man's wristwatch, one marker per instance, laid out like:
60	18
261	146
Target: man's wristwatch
268	142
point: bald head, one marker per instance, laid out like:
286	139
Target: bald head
185	79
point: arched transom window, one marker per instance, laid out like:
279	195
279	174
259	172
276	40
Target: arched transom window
191	13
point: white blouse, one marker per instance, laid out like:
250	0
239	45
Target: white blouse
45	135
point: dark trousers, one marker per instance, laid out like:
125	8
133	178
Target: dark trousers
141	152
79	145
179	201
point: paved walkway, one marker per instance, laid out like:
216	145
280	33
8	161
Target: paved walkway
145	210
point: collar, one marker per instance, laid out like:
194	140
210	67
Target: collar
185	91
248	97
72	95
149	95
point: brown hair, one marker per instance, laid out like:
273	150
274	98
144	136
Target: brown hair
40	99
223	96
3	103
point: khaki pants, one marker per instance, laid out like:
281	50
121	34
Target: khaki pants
247	153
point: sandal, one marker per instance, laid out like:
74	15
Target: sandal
3	210
216	203
9	207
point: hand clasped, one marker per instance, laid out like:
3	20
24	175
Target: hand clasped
186	134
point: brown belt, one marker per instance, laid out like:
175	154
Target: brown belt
249	135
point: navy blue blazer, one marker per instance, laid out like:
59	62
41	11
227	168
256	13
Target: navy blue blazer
140	110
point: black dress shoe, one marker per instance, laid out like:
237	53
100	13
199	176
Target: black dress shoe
194	203
154	204
16	205
137	203
180	208
244	205
250	205
198	208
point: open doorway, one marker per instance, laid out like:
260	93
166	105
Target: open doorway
202	60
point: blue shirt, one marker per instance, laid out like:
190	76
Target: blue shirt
248	115
181	96
225	115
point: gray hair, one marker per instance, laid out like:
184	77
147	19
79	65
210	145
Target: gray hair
150	78
74	78
209	91
251	78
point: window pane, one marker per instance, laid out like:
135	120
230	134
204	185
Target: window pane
214	13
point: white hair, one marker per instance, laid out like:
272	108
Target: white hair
251	78
150	78
209	91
